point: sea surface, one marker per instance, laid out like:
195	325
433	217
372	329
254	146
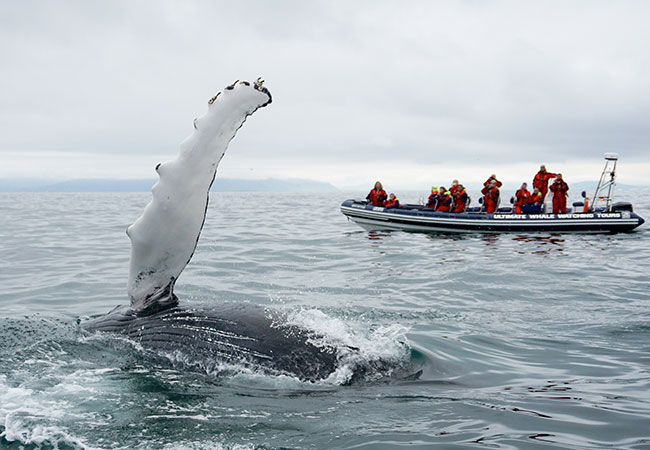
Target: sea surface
523	340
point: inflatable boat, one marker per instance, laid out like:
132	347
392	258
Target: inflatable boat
604	217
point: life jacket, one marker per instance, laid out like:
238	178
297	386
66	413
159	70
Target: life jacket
444	202
453	190
536	198
392	204
460	201
377	198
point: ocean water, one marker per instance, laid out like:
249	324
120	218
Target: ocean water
524	341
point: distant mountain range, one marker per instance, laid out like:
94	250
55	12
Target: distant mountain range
227	185
144	185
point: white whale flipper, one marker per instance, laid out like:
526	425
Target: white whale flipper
164	238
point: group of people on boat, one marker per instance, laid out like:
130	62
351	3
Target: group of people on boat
527	202
377	197
455	199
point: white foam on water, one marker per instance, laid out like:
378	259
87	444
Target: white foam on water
27	416
379	349
210	445
33	416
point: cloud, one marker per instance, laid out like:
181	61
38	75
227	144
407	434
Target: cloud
356	85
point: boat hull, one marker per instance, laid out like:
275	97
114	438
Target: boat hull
419	219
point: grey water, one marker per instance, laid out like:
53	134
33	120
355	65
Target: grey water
524	340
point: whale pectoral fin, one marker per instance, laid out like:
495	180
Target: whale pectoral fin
164	237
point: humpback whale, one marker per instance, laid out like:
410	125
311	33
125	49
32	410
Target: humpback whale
163	240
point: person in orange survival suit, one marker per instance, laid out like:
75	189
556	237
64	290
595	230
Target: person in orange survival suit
493	177
392	202
559	189
432	202
541	180
454	188
522	196
444	200
377	196
535	202
460	199
490	196
536	197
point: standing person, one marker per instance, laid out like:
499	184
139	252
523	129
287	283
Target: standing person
377	196
522	196
460	199
392	202
541	180
444	200
490	196
432	202
492	178
560	190
454	188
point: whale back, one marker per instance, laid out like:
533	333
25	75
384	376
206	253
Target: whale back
239	335
164	237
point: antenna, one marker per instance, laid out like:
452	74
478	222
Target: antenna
605	188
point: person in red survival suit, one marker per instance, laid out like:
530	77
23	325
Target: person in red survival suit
392	202
541	180
536	197
460	199
432	202
454	188
377	196
490	196
559	189
493	177
444	200
535	203
522	196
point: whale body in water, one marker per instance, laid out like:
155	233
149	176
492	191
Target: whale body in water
163	241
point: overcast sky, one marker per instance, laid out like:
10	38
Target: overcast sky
411	93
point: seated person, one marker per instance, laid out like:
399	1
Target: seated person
377	196
454	188
392	202
433	198
522	196
460	199
444	200
535	203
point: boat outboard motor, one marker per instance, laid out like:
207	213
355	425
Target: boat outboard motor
622	206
